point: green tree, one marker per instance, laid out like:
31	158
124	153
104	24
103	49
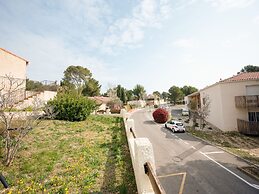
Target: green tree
33	85
139	91
76	76
111	92
250	68
91	88
175	94
121	93
80	79
157	94
123	96
165	95
129	95
188	90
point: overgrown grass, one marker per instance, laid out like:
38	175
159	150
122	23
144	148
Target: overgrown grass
91	156
234	142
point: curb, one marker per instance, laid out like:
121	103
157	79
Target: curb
210	143
248	173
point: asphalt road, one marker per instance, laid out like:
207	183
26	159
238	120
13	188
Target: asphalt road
187	165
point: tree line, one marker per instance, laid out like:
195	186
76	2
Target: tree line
79	80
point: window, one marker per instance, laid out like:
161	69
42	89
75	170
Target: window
253	116
204	101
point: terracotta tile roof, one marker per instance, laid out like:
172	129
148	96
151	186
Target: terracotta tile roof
14	55
243	77
101	99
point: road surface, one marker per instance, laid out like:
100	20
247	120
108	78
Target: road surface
187	165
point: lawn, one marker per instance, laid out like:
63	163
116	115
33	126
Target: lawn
91	156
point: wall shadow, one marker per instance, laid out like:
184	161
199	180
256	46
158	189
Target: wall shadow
149	122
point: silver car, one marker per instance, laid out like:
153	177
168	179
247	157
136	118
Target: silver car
185	112
175	126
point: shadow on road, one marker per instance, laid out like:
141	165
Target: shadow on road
203	176
168	133
149	122
183	136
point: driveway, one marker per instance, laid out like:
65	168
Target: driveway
185	164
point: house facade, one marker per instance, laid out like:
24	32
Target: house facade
13	72
13	66
233	103
102	103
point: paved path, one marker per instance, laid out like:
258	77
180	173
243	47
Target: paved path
184	164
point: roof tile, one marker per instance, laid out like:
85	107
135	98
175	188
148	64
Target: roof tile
243	77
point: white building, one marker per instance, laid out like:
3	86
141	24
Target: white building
234	103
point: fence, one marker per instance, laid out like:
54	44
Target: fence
248	127
142	156
250	101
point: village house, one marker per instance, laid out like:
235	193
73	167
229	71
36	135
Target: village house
14	67
102	103
13	73
233	103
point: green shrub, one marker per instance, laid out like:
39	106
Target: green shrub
72	107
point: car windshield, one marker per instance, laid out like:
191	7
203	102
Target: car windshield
179	124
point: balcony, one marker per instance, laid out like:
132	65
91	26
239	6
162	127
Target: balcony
247	101
248	127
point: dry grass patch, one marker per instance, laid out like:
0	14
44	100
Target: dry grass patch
244	146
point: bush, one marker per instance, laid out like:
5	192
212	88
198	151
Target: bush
160	115
115	105
72	107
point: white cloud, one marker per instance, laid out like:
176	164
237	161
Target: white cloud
229	4
181	4
256	19
48	58
188	59
186	43
129	31
235	40
89	11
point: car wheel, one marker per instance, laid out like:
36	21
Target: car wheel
165	126
173	130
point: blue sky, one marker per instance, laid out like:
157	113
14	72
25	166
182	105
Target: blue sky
155	43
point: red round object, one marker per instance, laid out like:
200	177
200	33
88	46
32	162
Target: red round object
160	115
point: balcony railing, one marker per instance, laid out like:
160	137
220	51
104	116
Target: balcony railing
247	101
248	127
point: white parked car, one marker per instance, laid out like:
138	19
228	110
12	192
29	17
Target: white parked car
185	112
175	126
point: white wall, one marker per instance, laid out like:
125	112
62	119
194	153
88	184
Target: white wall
215	116
223	112
38	100
11	65
252	89
138	103
14	67
141	151
231	113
